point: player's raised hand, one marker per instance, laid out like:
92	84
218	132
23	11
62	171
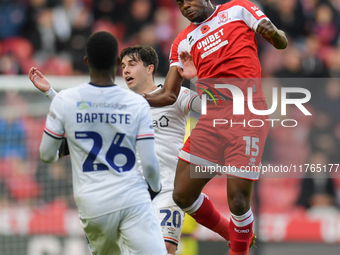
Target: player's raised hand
38	79
266	28
273	35
189	70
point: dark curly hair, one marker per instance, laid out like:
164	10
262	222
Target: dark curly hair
102	51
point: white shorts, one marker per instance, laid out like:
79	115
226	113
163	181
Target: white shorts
136	226
170	216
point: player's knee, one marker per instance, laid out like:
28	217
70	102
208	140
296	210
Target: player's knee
181	199
171	248
239	205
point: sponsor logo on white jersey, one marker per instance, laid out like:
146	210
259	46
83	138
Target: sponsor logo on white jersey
83	105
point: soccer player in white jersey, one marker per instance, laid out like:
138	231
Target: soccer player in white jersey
139	64
104	124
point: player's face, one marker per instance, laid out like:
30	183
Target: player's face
194	10
134	73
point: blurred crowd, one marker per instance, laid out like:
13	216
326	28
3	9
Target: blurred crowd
51	35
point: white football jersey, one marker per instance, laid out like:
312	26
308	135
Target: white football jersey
102	125
169	124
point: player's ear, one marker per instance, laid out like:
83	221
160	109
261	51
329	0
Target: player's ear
150	69
86	60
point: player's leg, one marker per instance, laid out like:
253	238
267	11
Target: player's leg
170	218
188	196
239	193
171	248
244	152
141	232
102	234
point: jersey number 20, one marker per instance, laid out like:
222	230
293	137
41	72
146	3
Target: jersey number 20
114	150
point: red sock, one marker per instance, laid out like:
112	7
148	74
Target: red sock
208	216
240	235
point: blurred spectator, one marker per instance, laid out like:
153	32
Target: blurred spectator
114	11
12	132
4	194
312	64
76	45
328	100
9	64
325	26
147	35
292	64
288	15
12	139
333	61
164	27
12	18
322	137
32	28
15	169
317	187
16	58
140	13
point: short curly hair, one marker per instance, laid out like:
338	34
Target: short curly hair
102	51
144	53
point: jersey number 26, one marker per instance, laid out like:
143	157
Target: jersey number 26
114	150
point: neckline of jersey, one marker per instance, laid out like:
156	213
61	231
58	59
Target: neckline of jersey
98	86
159	86
199	23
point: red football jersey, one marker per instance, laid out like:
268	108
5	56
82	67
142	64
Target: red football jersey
224	45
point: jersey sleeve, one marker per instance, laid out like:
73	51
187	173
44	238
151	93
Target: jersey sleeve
54	122
177	47
252	15
145	130
185	99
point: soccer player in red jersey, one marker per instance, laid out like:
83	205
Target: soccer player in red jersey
222	44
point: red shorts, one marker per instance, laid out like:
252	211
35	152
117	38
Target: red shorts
233	141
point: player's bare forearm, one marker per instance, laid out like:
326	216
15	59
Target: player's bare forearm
272	34
279	40
168	94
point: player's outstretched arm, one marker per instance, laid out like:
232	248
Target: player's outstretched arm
150	163
189	72
41	83
168	94
272	34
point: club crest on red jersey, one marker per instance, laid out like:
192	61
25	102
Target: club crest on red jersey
223	16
